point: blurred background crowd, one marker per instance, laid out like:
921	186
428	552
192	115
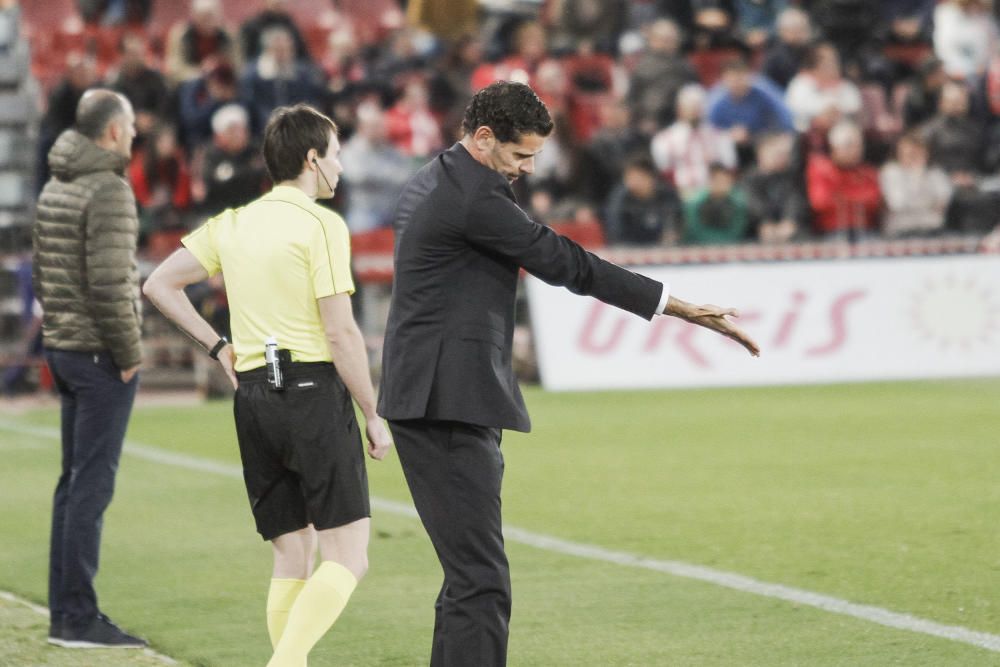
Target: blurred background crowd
678	121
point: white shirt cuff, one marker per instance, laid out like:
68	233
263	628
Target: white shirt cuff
663	299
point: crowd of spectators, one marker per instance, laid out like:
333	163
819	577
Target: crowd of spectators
677	121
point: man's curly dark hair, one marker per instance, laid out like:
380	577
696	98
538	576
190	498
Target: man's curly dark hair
509	109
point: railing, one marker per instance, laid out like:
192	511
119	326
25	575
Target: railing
375	265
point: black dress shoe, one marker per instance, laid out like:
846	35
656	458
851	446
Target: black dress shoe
99	633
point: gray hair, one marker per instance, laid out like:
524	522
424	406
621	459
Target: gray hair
792	16
689	94
230	114
96	109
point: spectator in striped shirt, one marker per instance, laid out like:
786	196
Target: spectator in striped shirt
683	152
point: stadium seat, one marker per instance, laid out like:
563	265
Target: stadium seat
317	37
588	234
45	65
17	108
238	11
13	64
375	242
910	55
104	42
15	191
10	153
593	73
163	242
70	36
708	63
38	13
373	19
166	14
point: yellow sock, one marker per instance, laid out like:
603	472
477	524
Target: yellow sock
316	609
280	598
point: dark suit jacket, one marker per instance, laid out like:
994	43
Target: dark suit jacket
460	240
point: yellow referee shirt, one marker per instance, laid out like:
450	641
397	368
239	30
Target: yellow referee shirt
278	254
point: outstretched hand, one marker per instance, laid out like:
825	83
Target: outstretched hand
714	318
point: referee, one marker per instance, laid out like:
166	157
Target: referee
286	262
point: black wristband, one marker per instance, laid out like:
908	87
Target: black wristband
214	352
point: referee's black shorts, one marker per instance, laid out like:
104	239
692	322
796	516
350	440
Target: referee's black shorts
303	460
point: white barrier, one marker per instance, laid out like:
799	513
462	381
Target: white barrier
818	321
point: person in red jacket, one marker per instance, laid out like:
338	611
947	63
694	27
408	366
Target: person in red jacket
412	127
160	176
843	190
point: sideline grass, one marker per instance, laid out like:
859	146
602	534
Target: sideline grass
882	494
22	644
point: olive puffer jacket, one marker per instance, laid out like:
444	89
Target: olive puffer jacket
84	265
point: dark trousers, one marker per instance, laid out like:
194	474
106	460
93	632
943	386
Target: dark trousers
95	409
454	471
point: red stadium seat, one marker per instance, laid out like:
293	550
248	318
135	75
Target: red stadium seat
69	36
238	11
317	38
166	14
44	14
106	44
375	242
162	243
373	19
588	234
708	63
907	54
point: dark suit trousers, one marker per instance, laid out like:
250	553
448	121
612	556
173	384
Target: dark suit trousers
454	471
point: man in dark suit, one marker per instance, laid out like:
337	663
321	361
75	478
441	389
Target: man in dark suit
448	387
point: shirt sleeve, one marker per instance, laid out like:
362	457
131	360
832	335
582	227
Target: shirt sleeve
330	258
664	297
202	244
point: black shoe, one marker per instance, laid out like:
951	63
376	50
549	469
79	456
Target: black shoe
100	633
56	632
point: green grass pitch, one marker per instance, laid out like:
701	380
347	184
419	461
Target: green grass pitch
880	494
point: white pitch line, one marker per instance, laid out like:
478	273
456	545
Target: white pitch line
681	569
17	446
42	611
38	609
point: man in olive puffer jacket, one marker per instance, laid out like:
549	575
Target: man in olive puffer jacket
86	278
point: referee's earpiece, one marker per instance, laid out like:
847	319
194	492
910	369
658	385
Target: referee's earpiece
315	162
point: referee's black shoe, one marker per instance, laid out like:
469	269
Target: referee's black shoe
99	633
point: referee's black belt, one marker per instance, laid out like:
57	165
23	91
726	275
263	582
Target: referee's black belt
293	371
